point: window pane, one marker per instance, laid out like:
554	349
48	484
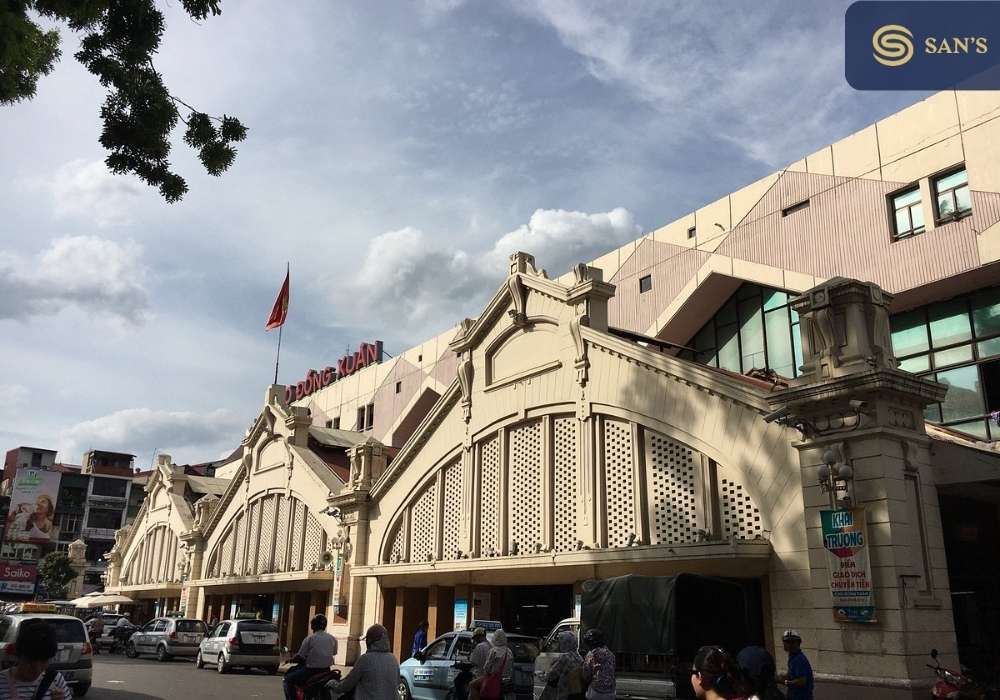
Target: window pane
933	413
752	334
954	356
902	221
705	338
747	290
920	363
797	347
963	399
964	199
917	217
729	349
986	312
945	207
906	198
949	323
909	333
707	358
988	348
727	314
976	428
773	299
779	342
953	180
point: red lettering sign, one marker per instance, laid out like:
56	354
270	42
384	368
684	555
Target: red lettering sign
367	354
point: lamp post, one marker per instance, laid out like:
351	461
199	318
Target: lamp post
836	477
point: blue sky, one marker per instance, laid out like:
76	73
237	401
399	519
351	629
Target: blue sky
396	151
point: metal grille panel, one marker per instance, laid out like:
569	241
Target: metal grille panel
228	542
298	535
619	480
281	536
267	513
672	490
314	542
396	549
490	497
565	492
422	524
253	543
525	487
239	546
740	517
452	523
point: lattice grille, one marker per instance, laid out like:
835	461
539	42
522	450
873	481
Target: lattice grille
490	498
740	517
228	540
452	523
422	524
619	470
298	534
672	490
266	534
396	548
253	544
314	542
239	548
525	487
564	439
281	536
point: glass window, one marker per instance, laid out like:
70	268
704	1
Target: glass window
773	298
438	649
752	334
986	312
727	314
645	284
797	347
952	192
110	487
705	340
964	398
920	363
949	323
933	412
692	232
463	648
988	348
729	348
954	356
976	428
779	342
909	333
908	213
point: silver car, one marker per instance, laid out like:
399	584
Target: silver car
74	659
167	637
243	643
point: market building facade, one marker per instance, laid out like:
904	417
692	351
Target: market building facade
692	402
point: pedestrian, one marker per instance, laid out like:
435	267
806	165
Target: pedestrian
213	624
497	671
480	650
799	679
759	669
31	677
375	674
598	667
565	677
96	632
716	675
316	654
420	638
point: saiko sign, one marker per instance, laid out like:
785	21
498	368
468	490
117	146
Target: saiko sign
367	354
17	578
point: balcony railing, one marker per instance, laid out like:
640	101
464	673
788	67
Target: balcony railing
99	533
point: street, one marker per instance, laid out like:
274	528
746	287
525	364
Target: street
118	678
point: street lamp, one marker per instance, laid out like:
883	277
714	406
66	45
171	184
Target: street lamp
836	477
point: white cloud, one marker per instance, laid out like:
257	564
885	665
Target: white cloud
87	189
92	273
409	281
185	435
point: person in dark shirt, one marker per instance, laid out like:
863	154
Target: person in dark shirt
799	679
420	638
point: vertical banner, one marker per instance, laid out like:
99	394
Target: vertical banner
33	506
845	539
461	614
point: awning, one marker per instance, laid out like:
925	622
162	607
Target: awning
100	599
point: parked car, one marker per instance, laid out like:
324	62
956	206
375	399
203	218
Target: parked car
241	643
74	659
431	674
167	637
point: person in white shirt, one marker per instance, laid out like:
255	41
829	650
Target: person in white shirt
35	647
316	654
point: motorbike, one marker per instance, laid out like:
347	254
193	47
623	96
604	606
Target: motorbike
460	687
315	686
956	686
120	635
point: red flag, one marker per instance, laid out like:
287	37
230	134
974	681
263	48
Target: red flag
280	311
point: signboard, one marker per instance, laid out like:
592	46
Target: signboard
17	578
845	539
461	613
367	354
32	506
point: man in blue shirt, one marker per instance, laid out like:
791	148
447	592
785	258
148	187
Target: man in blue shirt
420	638
799	679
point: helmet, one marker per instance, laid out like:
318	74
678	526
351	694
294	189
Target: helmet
791	634
593	638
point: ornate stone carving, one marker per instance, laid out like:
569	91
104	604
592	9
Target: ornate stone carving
580	362
519	297
466	372
204	507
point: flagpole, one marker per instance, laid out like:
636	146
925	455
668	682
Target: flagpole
278	355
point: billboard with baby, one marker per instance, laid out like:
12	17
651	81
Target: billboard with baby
33	506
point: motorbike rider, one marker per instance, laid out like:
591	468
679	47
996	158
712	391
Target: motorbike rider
315	655
480	650
376	672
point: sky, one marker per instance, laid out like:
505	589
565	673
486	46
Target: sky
397	153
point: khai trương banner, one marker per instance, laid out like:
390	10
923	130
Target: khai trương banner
845	539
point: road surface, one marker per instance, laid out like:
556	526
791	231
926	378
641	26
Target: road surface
118	678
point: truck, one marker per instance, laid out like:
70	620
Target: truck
655	626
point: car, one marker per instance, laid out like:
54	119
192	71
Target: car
167	637
74	659
245	643
431	674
